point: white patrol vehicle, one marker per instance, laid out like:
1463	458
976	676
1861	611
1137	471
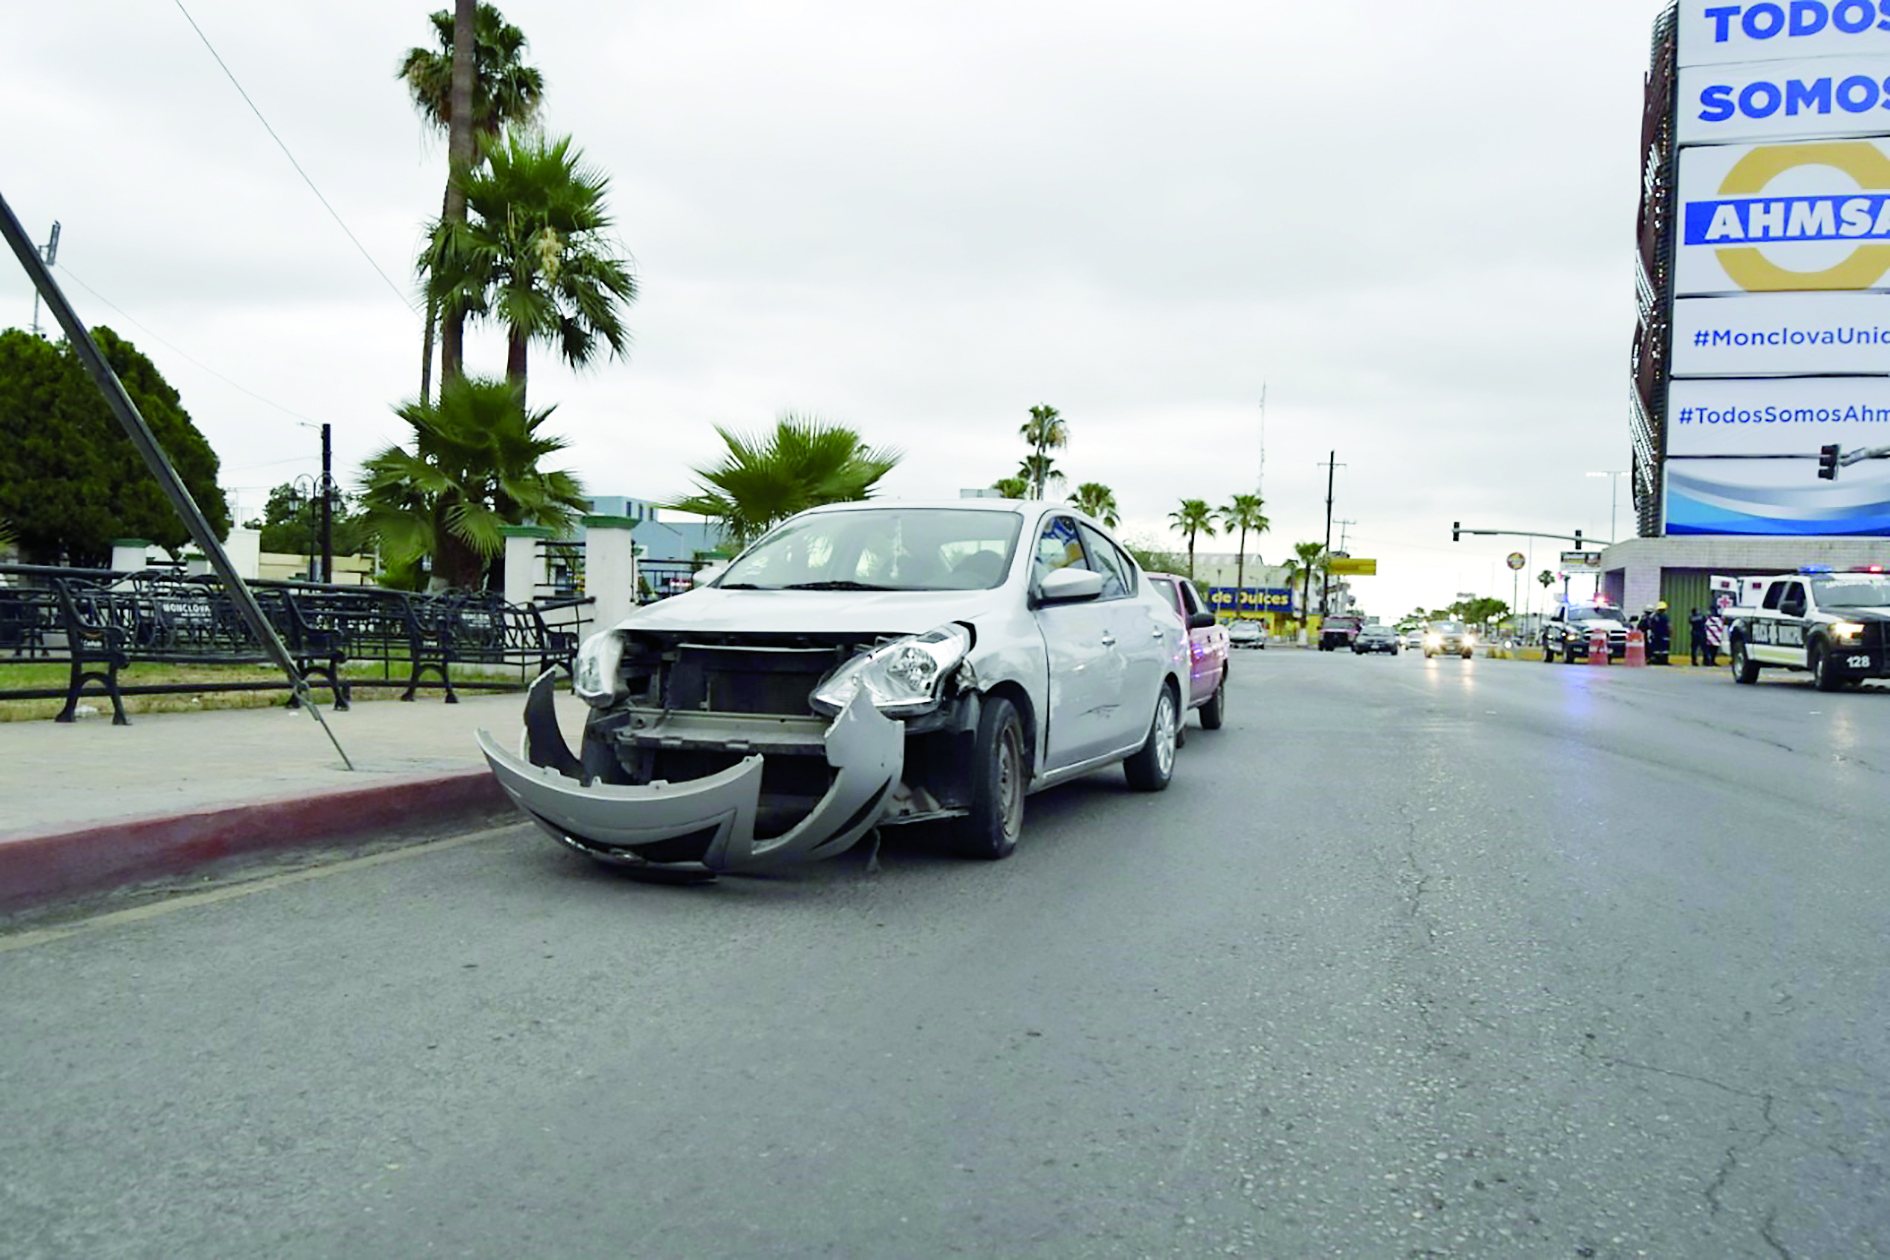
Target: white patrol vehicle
1831	624
1566	632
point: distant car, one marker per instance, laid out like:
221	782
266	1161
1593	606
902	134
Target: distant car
1448	638
1245	634
1338	632
1207	646
1572	627
1414	639
1376	639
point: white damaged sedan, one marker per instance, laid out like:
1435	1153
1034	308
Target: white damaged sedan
861	665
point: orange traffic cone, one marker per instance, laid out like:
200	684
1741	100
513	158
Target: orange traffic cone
1598	647
1636	649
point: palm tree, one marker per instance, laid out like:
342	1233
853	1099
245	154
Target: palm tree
1045	431
1243	513
1097	500
473	467
1307	558
1193	517
534	253
804	463
1038	471
502	92
1012	487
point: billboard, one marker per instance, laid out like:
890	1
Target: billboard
1781	334
1784	100
1768	218
1230	601
1788	415
1723	31
1736	496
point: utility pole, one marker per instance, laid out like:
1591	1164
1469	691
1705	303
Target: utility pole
1325	569
1260	482
328	506
48	252
1343	526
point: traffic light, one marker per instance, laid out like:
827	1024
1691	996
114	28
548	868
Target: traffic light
1578	540
1828	462
1455	526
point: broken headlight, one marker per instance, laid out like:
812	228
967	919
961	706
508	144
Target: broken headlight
595	675
902	678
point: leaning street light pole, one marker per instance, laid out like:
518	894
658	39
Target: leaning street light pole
147	446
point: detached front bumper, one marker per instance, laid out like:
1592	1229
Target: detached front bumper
704	825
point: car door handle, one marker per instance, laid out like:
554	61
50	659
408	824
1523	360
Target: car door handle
1109	640
1156	633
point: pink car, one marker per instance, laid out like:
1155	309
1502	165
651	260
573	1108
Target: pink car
1207	647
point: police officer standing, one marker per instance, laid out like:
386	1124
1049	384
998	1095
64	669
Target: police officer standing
1659	634
1696	635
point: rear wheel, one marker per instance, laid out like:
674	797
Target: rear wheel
1214	712
999	778
1153	764
1744	668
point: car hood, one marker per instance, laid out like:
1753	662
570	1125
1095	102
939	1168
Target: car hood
712	610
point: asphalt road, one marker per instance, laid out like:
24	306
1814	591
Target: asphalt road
1464	958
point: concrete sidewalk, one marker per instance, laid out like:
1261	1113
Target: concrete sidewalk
90	805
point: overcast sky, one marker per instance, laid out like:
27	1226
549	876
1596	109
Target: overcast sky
1411	223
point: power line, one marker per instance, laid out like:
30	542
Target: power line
404	299
299	417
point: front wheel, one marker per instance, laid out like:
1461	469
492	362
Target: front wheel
999	778
1214	712
1824	674
1151	766
1744	668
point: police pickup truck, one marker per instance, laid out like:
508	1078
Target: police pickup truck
1830	624
1566	632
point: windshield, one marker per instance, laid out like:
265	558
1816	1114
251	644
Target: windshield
881	549
1594	614
1866	590
1447	627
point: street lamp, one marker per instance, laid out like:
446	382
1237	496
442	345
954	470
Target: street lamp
1614	495
307	491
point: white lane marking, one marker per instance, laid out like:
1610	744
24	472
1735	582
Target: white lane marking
138	914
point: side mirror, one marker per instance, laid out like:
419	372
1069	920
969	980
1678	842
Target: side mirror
1792	607
1201	621
1066	586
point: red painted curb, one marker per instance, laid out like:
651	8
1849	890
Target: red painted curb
42	865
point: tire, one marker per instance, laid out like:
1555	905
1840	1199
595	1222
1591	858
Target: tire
999	778
1214	712
1568	654
1466	656
1744	668
1152	765
1824	673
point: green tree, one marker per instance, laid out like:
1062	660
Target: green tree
1243	513
473	467
1045	431
1012	487
70	480
1193	517
291	523
534	253
1097	500
502	91
763	479
1153	558
1308	558
1038	471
